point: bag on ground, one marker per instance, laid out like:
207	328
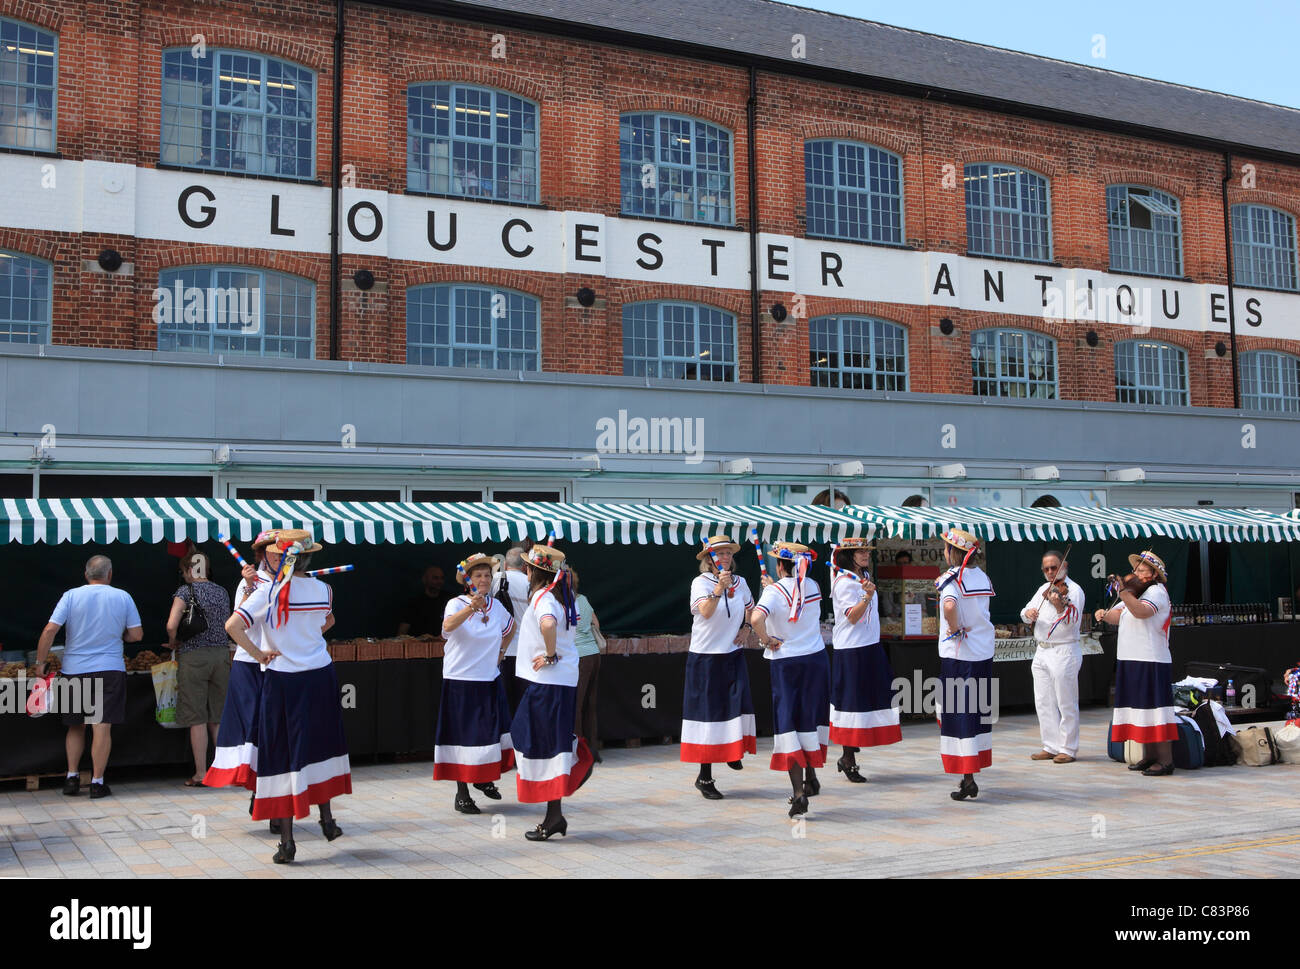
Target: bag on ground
1287	739
1258	748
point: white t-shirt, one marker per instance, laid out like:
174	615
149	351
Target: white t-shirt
718	633
1068	630
797	638
263	577
472	647
972	595
531	644
298	638
517	587
846	592
1146	640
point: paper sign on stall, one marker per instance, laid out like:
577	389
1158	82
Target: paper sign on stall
912	619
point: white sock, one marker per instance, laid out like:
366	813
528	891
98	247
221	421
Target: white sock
73	773
97	780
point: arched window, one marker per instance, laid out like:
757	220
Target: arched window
1013	363
231	309
1150	373
472	142
1008	213
853	192
1146	231
25	298
233	111
29	80
1270	381
858	353
1264	247
672	167
472	326
684	340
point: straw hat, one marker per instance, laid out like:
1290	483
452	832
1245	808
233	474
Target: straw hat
545	557
471	563
286	537
718	543
789	550
265	538
1151	559
961	539
854	544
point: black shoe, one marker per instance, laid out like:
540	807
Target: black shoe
596	758
798	805
251	798
72	785
1142	764
850	771
736	764
275	826
466	805
285	853
99	790
968	789
812	788
1155	770
489	791
543	833
706	788
331	829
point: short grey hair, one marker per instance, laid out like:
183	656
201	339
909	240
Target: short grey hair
99	567
515	560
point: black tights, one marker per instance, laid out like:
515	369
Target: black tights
553	814
286	824
800	775
706	772
462	789
849	758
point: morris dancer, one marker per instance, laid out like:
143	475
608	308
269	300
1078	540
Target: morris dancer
473	738
862	709
1144	701
965	663
553	762
790	608
302	754
717	710
1057	660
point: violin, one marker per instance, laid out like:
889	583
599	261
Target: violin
1129	582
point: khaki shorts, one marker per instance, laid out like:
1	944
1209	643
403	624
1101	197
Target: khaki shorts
201	684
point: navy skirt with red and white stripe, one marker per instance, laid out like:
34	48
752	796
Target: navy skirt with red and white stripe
801	711
717	709
302	753
553	762
862	698
965	715
235	760
1144	703
473	738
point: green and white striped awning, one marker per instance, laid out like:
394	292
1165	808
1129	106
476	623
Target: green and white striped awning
105	520
1083	524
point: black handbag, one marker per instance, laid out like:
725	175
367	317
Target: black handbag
193	622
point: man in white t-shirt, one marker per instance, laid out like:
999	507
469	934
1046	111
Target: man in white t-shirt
99	618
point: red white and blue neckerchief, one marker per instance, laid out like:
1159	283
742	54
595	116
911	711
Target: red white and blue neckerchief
277	609
800	570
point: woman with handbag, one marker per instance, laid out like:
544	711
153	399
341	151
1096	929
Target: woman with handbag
197	635
591	643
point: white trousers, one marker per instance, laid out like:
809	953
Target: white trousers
1056	696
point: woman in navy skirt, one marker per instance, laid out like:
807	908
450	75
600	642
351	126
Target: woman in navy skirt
717	710
302	754
553	762
862	708
966	641
1144	701
473	739
787	621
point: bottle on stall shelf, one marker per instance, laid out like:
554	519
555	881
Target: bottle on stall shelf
1230	697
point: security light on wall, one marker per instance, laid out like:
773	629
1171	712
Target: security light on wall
1044	472
852	469
738	466
42	454
221	454
956	470
1126	474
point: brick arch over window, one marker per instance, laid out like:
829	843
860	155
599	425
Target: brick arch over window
862	134
26	244
1254	344
910	318
1179	189
995	155
736	305
1289	204
406	277
475	75
690	107
181	256
36	14
254	41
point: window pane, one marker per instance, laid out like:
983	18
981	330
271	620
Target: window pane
675	168
217	309
472	327
25	299
852	191
27	86
681	340
1007	212
1013	363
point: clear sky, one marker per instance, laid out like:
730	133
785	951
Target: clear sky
1250	48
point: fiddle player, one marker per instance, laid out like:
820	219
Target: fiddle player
1144	697
1056	612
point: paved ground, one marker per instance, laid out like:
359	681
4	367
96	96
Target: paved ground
640	817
